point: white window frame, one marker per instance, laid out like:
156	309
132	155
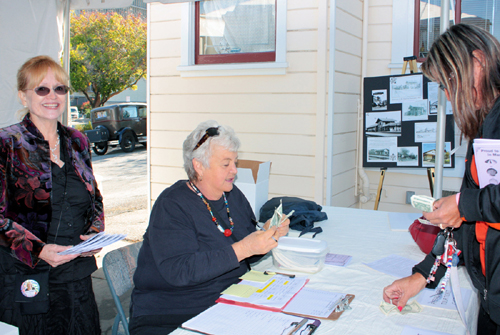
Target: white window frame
189	69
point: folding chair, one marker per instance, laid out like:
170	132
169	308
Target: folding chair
119	267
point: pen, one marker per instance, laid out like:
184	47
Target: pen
279	273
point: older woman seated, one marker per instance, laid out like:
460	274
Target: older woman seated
200	239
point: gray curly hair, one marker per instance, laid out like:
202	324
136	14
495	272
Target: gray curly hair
226	139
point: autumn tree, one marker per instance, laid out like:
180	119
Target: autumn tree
108	54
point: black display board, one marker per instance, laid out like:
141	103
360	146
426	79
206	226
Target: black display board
400	122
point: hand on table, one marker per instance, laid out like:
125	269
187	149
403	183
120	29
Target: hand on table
257	243
445	214
401	290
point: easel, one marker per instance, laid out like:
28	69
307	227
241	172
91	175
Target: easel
412	62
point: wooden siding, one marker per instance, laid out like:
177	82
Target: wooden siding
275	117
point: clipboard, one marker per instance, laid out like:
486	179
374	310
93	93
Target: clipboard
333	316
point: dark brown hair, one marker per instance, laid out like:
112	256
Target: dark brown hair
450	62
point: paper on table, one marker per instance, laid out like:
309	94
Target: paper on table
407	330
487	158
274	293
402	221
223	319
394	265
238	290
257	276
429	297
338	260
95	242
316	303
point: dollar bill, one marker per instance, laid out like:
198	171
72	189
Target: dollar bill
413	307
278	216
423	202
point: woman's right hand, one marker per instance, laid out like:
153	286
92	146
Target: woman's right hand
401	290
49	254
257	243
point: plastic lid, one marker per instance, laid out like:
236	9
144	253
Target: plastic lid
302	244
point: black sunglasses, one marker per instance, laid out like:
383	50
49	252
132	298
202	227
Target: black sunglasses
43	91
210	132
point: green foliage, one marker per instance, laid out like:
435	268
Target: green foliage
83	127
108	54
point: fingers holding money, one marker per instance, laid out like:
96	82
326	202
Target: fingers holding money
446	213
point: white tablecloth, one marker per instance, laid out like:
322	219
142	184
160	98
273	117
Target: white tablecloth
367	237
6	329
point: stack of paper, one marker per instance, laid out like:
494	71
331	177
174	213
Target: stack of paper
487	158
97	241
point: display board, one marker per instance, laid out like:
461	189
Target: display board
400	122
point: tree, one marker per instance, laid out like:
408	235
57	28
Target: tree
108	54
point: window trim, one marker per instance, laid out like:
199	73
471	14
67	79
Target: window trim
416	29
188	68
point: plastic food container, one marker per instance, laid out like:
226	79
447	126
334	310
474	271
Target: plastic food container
300	254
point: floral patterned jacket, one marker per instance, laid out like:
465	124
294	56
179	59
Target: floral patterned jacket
26	183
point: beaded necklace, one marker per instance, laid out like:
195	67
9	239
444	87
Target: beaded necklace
226	232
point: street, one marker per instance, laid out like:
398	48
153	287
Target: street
122	179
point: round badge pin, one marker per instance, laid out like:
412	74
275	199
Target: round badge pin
30	288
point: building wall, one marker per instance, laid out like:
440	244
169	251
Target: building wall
281	118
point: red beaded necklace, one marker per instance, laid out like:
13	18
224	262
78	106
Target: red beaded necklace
226	232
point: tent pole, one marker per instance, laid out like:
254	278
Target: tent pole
441	114
65	116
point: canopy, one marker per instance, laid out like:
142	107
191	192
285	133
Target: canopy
30	28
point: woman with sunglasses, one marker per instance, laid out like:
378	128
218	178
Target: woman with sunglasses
201	236
465	61
49	201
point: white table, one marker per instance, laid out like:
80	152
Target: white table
366	235
6	329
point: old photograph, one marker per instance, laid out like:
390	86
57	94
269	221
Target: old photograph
408	156
425	131
382	149
406	88
379	100
429	154
415	110
383	124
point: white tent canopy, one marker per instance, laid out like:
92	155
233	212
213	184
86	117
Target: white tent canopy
30	28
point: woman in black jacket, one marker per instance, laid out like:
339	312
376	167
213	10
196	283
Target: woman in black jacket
465	61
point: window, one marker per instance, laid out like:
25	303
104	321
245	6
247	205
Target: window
235	31
428	16
129	112
142	111
230	58
101	115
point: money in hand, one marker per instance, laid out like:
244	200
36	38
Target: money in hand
413	307
423	202
278	216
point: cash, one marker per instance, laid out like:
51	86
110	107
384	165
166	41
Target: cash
278	216
413	307
423	202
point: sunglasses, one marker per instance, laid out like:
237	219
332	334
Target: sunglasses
43	91
210	132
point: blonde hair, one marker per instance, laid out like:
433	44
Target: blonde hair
33	71
451	62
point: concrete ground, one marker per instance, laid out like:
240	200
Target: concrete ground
122	179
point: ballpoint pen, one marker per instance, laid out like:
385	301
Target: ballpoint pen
279	273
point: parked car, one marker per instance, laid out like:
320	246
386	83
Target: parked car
74	113
123	124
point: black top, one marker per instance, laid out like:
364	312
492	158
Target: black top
70	203
185	261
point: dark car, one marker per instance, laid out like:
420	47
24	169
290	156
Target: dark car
122	124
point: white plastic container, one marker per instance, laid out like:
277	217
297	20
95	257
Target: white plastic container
300	254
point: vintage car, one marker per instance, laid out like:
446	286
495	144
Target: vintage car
123	124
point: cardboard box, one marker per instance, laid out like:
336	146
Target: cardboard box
253	181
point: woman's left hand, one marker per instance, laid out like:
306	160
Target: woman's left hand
445	214
282	229
88	253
